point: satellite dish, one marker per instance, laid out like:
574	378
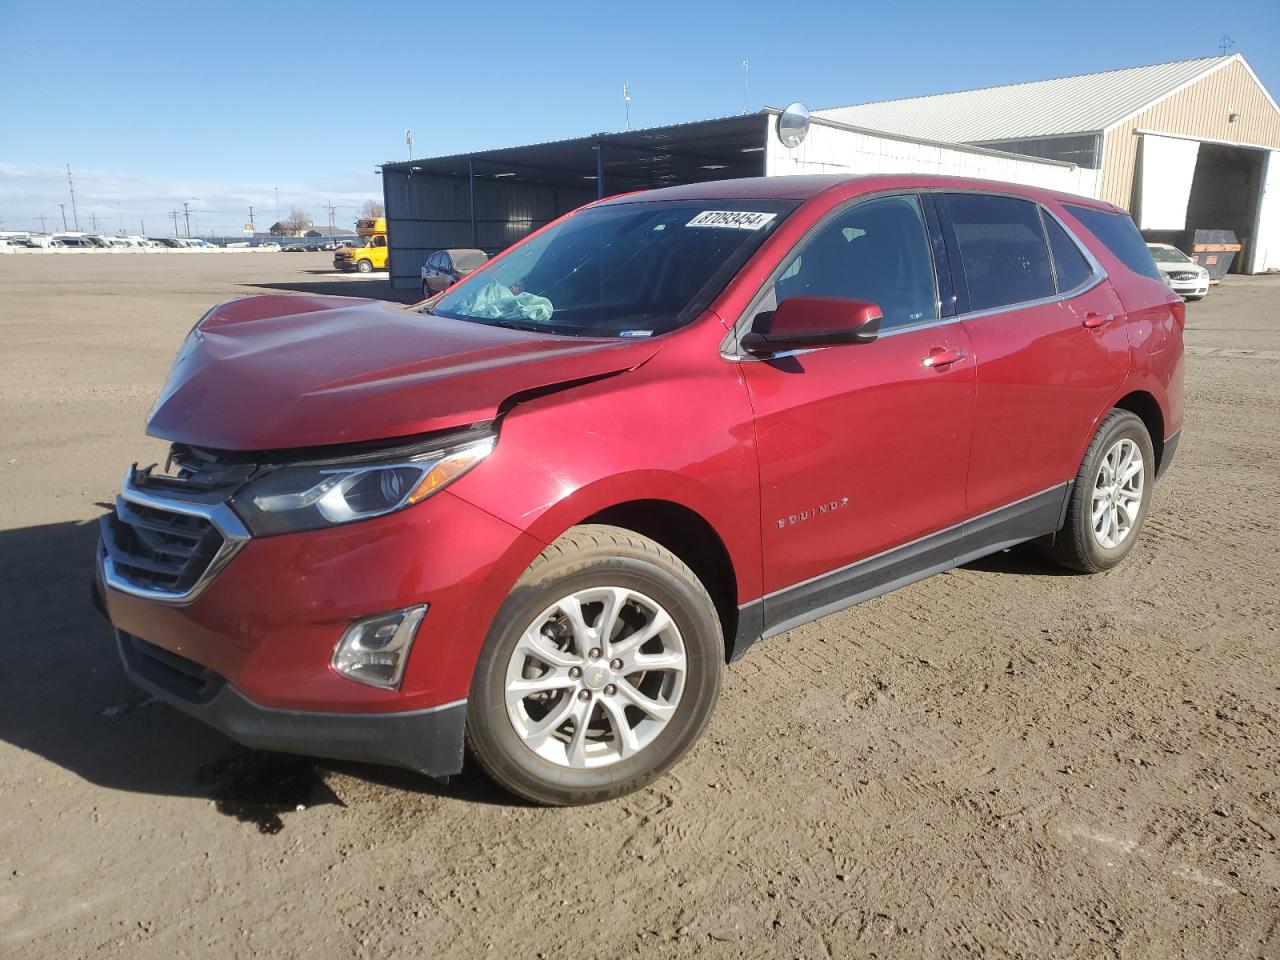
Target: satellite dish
793	125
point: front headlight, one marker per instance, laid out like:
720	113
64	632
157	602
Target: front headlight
290	499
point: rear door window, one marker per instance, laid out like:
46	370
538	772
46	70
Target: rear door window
876	251
1069	264
1002	250
1119	235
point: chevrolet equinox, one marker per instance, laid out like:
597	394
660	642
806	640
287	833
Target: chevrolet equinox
531	519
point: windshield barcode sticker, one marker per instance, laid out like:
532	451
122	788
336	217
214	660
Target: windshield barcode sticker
733	219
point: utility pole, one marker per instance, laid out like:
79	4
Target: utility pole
746	85
72	187
63	208
186	216
42	229
408	138
175	224
277	204
252	229
626	102
93	218
331	221
143	225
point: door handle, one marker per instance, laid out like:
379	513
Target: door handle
1094	319
942	357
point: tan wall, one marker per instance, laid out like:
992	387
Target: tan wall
1199	110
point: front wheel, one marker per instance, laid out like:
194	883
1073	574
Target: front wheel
1109	499
364	266
600	670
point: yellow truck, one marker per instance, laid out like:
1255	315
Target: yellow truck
367	254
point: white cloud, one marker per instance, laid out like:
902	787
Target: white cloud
27	191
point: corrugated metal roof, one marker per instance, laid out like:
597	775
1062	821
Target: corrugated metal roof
1041	108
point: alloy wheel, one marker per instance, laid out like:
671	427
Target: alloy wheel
596	677
1117	493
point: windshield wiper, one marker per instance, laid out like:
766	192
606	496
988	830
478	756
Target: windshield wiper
523	325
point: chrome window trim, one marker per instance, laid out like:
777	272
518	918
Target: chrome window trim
234	536
1098	275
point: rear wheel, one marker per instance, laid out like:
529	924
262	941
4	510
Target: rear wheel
426	290
364	266
1109	498
600	670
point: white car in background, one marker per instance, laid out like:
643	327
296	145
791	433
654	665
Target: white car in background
1180	272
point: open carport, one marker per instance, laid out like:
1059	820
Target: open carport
492	198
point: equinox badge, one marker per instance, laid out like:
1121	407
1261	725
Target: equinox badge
830	507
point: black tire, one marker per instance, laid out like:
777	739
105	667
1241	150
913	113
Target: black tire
364	266
1194	299
1075	546
426	291
590	556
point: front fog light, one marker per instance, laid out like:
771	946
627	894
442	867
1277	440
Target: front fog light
375	650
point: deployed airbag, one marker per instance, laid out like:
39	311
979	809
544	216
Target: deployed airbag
493	301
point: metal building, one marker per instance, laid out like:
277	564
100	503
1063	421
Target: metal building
1193	144
1188	145
492	198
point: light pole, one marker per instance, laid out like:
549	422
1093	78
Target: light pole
186	213
72	187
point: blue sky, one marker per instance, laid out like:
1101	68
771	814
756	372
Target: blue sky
156	103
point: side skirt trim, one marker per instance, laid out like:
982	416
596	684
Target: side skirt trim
1026	519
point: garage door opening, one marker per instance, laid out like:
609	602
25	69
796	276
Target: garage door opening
1187	187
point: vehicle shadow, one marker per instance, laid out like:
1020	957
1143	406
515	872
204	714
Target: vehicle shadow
1023	560
64	697
340	285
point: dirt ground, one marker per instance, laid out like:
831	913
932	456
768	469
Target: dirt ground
1002	761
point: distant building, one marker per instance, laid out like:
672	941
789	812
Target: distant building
1184	146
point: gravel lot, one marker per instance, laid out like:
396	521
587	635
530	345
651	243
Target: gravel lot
1002	761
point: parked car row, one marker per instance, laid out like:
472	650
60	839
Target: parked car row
11	241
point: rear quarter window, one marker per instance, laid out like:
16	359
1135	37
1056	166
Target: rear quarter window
1070	266
1116	232
1002	249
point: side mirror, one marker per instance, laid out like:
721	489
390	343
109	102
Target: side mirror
801	323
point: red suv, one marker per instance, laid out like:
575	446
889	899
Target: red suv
535	515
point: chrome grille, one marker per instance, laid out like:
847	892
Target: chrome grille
157	549
162	546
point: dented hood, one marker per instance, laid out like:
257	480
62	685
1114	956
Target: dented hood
275	372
